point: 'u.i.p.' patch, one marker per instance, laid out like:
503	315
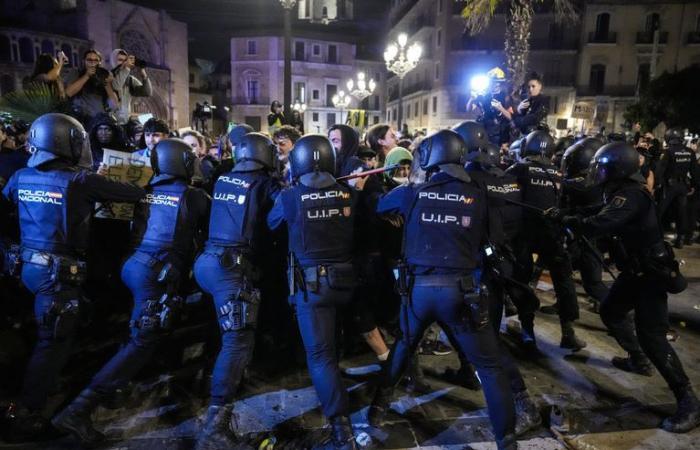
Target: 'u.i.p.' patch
618	201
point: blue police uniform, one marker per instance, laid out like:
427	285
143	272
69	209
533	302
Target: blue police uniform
167	221
55	204
321	225
445	229
229	266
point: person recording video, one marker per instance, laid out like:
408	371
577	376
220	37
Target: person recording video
125	84
490	98
91	90
532	111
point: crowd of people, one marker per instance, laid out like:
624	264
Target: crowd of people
444	229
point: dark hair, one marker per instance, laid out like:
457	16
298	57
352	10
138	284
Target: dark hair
154	125
44	63
273	104
534	76
288	132
92	50
375	133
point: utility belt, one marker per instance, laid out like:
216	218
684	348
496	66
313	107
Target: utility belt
241	310
339	276
12	260
232	258
64	269
659	261
159	315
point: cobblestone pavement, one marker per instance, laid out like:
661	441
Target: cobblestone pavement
604	408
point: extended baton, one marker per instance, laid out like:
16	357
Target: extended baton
366	173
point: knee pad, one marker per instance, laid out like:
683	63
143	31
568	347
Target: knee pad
240	311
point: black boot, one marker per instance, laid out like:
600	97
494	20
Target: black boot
75	418
216	433
687	414
465	377
569	339
637	363
527	416
678	242
552	310
342	437
528	336
509	442
415	378
379	407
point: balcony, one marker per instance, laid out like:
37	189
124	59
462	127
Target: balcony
647	37
410	89
693	37
602	38
608	91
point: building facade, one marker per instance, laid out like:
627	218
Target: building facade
76	25
320	69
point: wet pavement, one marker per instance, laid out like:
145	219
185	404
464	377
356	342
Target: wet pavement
603	408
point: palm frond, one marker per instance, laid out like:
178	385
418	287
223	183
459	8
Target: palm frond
477	14
35	100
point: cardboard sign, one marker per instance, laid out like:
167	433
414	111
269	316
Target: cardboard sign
583	110
125	167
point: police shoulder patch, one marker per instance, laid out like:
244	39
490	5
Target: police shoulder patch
618	201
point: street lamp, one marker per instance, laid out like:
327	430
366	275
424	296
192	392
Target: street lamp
401	60
342	101
361	90
299	106
287	5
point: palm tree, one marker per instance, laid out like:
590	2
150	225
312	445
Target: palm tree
478	13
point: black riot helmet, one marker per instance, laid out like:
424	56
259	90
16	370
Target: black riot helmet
577	158
488	156
312	153
441	147
55	136
514	149
254	151
537	143
473	134
614	161
237	133
172	158
674	136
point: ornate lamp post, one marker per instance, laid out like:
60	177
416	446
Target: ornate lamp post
299	106
287	5
401	60
360	89
341	100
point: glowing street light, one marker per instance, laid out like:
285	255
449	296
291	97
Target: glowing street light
362	89
400	60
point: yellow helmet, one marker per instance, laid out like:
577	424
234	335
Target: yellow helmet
496	74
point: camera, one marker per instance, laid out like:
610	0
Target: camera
101	74
140	63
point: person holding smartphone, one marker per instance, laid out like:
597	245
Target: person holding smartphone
47	69
125	84
91	90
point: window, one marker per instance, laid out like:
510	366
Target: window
653	23
439	6
314	117
315	94
597	81
425	107
408	111
375	120
331	90
26	50
47	47
393	114
434	105
376	102
5	48
437	71
388	116
416	111
332	54
252	47
554	104
643	76
330	120
299	51
253	121
7	84
317	50
602	25
439	38
299	92
253	92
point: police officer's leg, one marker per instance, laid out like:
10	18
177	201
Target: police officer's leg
680	205
692	218
592	277
235	354
522	272
479	344
121	368
651	321
614	312
55	314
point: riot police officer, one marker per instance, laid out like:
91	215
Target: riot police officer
504	221
167	223
55	199
320	216
234	138
579	196
445	228
228	270
648	271
676	174
540	184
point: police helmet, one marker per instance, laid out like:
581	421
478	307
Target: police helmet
614	161
674	136
312	153
441	147
255	151
55	136
473	134
537	143
514	149
237	133
563	143
577	158
172	158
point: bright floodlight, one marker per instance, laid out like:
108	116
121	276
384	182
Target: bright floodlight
480	84
403	39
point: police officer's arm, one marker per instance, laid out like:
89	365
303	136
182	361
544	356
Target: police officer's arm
621	210
202	207
660	169
396	201
9	193
102	189
275	218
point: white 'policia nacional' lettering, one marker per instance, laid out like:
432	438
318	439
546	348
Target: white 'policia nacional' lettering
39	196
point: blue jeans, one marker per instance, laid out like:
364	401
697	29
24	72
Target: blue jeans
236	346
50	353
444	303
316	316
141	279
